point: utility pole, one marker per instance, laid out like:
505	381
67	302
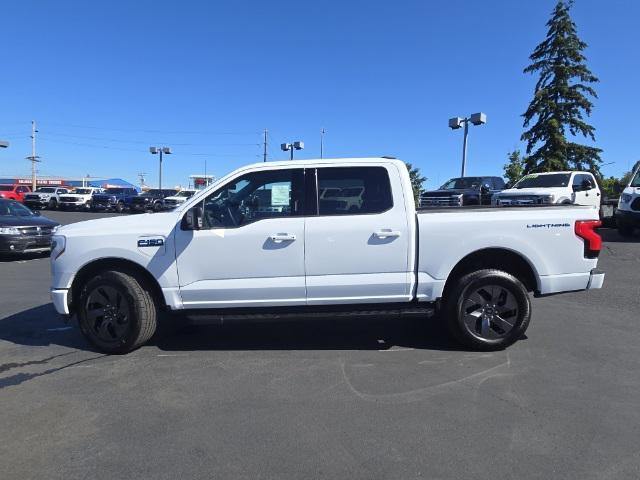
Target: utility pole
34	158
142	176
321	142
264	152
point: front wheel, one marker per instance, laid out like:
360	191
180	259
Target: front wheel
487	309
116	313
53	204
120	207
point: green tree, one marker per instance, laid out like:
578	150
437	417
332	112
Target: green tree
560	100
416	181
514	169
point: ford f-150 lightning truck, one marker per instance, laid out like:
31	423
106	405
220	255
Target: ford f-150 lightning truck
262	241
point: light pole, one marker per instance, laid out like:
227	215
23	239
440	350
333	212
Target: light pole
160	150
291	147
457	122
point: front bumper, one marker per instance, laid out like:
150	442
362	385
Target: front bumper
60	299
628	217
36	202
24	244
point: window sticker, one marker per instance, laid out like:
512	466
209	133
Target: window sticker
280	195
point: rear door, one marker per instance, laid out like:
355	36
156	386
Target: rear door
357	238
585	197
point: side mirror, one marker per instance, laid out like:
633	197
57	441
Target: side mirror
484	189
192	220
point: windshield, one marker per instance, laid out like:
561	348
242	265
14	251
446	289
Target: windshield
115	191
460	183
544	181
11	208
82	191
46	190
6	188
636	180
185	194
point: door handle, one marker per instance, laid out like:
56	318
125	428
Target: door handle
282	237
387	233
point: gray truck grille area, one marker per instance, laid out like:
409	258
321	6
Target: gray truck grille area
36	231
450	201
518	200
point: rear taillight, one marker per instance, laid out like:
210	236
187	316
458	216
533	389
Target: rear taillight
585	229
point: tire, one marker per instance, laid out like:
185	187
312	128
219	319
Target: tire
624	229
53	204
498	309
120	207
116	313
157	206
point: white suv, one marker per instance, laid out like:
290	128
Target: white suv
80	198
579	188
628	212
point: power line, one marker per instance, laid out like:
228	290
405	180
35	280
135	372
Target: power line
168	132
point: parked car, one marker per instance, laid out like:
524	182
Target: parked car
45	197
463	191
261	241
113	199
150	200
579	188
79	199
14	192
23	231
628	212
179	198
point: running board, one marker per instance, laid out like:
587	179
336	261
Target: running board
217	318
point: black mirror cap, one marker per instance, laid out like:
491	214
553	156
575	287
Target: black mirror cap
192	220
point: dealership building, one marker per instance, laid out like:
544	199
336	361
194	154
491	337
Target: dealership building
45	181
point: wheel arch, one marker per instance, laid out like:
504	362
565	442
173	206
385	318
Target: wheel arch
117	264
495	258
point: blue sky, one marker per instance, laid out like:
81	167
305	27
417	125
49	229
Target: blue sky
105	80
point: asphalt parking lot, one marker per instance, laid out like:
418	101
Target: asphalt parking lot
384	398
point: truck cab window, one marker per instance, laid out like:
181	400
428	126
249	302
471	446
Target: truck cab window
353	190
253	197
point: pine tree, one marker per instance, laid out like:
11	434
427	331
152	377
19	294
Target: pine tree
514	169
560	100
416	181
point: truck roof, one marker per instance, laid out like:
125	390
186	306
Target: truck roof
293	163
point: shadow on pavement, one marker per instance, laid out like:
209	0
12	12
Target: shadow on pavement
611	235
4	258
41	326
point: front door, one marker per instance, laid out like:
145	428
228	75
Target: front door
250	251
357	243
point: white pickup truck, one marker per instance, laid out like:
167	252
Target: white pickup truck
262	241
578	188
79	198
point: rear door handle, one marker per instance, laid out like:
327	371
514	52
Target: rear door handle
386	233
282	237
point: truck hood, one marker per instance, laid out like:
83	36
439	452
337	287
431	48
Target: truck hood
512	192
446	193
26	221
148	223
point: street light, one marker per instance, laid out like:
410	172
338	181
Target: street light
4	144
160	150
291	147
457	122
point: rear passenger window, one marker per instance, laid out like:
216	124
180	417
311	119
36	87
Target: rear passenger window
353	190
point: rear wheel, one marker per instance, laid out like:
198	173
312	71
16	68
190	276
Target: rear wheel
116	312
487	309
